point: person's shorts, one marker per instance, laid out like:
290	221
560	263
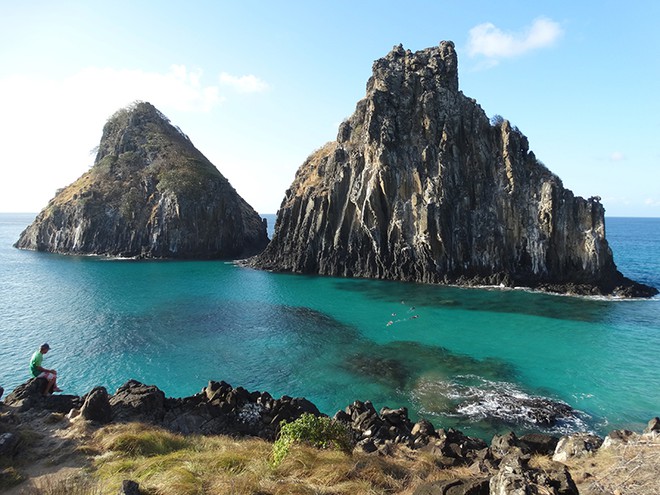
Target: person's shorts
46	375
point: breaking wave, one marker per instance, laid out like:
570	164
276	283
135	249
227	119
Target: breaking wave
476	399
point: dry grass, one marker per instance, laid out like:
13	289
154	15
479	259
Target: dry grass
308	177
164	463
630	469
68	485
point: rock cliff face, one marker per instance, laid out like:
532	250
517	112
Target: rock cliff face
150	194
421	186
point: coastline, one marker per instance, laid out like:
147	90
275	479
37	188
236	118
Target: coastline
70	425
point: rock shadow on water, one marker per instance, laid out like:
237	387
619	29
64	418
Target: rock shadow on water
400	363
245	318
490	299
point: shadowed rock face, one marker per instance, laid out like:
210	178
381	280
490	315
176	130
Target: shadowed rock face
150	194
420	186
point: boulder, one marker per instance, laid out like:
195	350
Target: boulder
653	426
452	447
618	437
135	401
217	390
500	445
478	486
8	444
29	395
395	417
422	432
576	445
538	443
96	406
129	487
515	477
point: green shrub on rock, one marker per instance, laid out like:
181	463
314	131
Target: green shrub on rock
319	432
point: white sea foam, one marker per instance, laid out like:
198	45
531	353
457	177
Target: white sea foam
478	399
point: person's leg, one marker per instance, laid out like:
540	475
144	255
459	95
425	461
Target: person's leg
51	384
50	381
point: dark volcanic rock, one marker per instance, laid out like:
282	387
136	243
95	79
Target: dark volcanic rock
135	401
478	486
150	194
97	406
421	186
30	395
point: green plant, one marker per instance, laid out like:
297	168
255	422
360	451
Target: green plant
319	432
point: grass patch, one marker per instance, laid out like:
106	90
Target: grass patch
70	485
140	440
166	464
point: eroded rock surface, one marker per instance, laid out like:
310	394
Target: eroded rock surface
150	194
421	186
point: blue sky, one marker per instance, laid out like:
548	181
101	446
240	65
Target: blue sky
258	86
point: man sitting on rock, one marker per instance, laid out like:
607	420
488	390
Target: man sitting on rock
39	371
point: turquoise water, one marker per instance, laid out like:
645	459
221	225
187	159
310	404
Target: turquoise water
455	356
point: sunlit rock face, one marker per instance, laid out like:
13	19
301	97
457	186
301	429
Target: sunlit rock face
421	186
150	194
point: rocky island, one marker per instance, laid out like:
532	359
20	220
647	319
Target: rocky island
149	194
422	186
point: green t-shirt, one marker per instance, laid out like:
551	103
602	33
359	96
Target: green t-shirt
35	362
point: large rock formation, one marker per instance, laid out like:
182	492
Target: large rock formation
150	194
421	186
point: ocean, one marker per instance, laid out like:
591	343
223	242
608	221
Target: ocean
481	360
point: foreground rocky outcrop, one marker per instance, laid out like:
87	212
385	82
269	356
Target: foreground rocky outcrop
150	194
508	465
421	186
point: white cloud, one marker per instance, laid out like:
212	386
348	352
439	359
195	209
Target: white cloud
494	44
617	156
244	84
652	202
48	126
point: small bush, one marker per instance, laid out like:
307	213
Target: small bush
496	120
319	432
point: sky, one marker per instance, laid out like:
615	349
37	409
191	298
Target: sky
260	85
